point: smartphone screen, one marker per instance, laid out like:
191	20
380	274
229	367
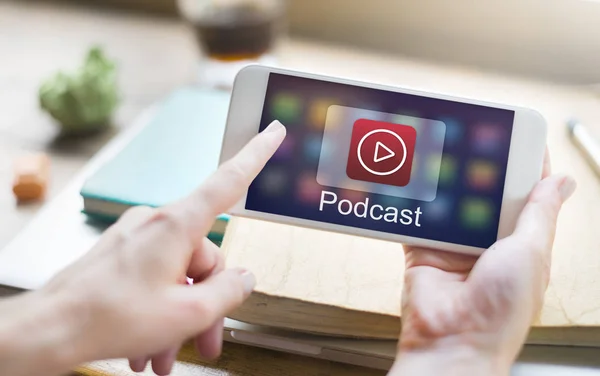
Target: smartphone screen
384	161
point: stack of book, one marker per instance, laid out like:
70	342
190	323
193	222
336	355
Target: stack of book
340	285
167	160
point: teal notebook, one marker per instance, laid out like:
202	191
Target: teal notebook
171	156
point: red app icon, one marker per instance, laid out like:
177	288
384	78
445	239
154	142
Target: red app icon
381	152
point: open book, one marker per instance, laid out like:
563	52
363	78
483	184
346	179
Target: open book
340	285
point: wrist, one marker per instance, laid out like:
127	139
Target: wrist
39	334
441	359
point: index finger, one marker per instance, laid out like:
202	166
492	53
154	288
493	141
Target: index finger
226	186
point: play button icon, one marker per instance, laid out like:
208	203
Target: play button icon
379	170
381	152
386	153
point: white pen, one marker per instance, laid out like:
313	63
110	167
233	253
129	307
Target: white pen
589	146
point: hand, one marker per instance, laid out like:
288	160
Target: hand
128	296
472	315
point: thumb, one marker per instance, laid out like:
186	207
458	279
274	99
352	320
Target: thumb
215	297
537	222
527	252
515	271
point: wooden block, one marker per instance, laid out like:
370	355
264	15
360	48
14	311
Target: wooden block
31	175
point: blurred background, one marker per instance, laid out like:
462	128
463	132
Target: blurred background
556	40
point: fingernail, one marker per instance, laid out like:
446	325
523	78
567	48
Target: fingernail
248	279
275	126
138	365
567	188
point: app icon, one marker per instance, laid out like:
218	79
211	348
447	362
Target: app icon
286	108
482	175
381	152
487	138
454	131
476	213
439	209
308	190
447	170
274	181
318	112
312	147
382	164
286	149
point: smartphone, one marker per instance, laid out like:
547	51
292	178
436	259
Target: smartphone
360	158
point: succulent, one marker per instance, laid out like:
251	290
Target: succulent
84	100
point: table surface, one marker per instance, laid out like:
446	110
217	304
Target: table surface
157	55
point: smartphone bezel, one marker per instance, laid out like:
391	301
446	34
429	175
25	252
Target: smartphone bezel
525	162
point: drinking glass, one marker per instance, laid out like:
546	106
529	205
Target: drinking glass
233	34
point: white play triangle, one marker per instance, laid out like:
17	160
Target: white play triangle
386	154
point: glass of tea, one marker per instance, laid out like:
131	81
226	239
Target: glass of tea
233	34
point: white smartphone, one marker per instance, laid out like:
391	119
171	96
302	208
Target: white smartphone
385	162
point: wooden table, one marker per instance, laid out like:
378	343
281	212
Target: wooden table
157	55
